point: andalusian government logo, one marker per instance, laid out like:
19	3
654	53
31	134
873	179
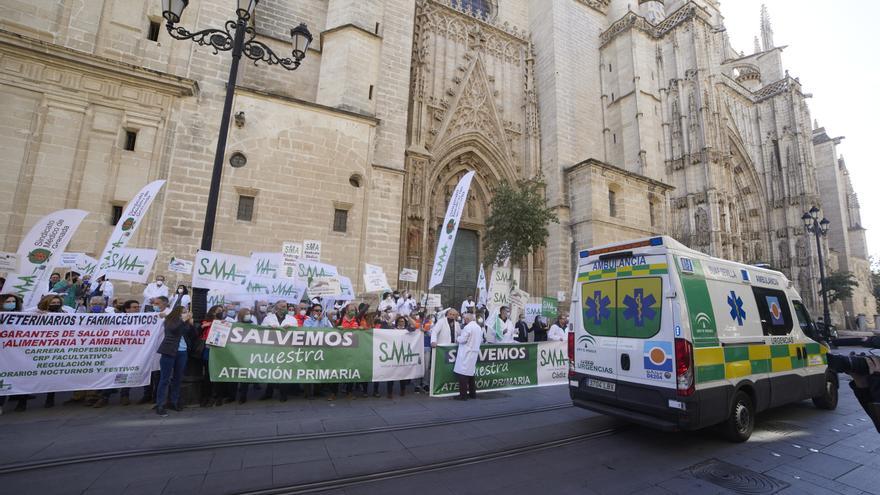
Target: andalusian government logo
450	226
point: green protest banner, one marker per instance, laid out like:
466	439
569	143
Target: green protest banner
503	367
316	355
549	307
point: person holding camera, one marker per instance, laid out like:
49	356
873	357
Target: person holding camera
866	387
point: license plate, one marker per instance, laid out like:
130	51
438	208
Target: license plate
601	385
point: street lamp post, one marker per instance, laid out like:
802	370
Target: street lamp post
820	229
236	36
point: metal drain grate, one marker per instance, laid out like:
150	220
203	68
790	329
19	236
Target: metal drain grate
735	478
778	427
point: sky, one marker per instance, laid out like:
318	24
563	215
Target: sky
832	48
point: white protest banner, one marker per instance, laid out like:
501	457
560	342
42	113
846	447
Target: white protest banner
216	298
499	287
265	264
450	229
560	296
311	250
481	287
128	223
307	270
409	275
54	352
8	262
324	287
130	264
39	252
68	260
218	271
532	310
218	335
85	265
291	252
375	279
177	265
518	300
346	289
270	290
433	301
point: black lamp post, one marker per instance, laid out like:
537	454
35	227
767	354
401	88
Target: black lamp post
238	37
820	229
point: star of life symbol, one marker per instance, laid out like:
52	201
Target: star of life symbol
597	307
638	307
736	308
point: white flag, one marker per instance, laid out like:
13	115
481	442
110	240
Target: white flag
39	252
481	286
128	224
450	229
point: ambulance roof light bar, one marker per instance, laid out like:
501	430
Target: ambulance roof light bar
654	241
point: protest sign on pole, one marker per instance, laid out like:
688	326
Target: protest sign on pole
518	300
433	301
128	223
549	308
307	270
532	310
409	275
324	355
39	252
375	279
346	289
503	367
481	287
311	250
85	265
324	287
560	295
265	264
54	352
177	265
219	271
291	252
8	262
450	229
130	264
68	260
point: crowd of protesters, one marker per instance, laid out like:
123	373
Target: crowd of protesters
184	340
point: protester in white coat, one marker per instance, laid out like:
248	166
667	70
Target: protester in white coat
466	358
280	317
154	290
559	330
500	328
446	330
468	305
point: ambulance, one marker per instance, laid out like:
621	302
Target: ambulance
672	338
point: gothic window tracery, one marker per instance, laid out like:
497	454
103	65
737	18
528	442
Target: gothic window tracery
482	9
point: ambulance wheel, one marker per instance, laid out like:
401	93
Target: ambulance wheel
828	399
741	422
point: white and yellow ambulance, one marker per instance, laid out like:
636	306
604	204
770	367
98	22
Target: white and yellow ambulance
675	339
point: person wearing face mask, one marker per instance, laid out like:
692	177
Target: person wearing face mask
386	303
559	330
539	328
317	319
159	305
154	290
300	312
182	297
261	308
500	329
104	288
466	358
280	318
446	330
179	336
210	392
12	303
522	329
71	289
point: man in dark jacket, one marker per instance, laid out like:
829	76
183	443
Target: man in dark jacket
867	389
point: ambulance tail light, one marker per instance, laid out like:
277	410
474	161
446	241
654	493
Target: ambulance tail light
684	367
571	373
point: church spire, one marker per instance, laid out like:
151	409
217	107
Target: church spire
757	45
766	29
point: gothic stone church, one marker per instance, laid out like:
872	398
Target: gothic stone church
639	116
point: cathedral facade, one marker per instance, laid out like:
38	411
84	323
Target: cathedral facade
639	117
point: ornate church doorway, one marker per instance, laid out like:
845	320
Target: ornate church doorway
460	279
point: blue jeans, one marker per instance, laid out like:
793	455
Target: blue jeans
171	369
